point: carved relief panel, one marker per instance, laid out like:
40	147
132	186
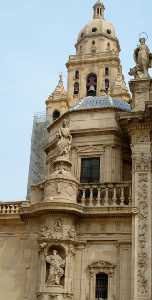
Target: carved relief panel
141	167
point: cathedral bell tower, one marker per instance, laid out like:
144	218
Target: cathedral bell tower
96	67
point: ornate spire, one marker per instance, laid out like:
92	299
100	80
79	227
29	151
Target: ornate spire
59	90
59	93
98	10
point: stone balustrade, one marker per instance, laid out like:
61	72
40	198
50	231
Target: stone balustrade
10	208
105	195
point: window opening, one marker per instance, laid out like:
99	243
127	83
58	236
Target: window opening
94	29
106	71
56	115
76	88
91	84
109	31
76	74
108	46
107	84
90	170
101	286
93	42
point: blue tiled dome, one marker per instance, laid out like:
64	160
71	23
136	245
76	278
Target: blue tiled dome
101	102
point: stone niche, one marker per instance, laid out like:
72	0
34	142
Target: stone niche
55	267
55	275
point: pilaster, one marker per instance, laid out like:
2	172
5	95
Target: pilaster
141	223
141	90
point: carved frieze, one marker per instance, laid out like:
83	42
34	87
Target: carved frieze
142	255
58	232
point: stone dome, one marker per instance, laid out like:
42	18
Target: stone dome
98	33
96	27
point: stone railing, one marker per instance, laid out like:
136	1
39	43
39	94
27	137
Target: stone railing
10	208
105	195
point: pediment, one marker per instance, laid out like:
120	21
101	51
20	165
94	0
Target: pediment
101	264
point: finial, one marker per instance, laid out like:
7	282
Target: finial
60	78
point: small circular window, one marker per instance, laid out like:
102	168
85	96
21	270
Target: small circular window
109	31
94	29
93	43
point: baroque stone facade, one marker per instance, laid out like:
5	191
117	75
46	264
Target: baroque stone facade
84	232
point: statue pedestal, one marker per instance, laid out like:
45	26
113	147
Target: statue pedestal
141	90
61	185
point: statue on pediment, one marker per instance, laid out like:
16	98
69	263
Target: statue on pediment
143	60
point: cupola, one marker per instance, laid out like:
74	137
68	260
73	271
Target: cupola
98	10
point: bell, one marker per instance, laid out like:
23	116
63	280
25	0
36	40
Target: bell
91	88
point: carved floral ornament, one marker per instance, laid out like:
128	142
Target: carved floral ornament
141	162
143	252
58	232
101	266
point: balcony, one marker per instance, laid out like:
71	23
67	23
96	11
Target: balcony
10	208
105	195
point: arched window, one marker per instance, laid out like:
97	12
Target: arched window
77	74
101	286
106	84
76	88
91	84
56	115
106	71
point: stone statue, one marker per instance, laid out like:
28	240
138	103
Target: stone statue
64	139
56	270
143	60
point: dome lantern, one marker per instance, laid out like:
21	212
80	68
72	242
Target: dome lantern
98	10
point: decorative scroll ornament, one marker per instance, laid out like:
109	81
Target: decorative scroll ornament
58	232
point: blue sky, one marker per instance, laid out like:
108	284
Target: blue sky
36	38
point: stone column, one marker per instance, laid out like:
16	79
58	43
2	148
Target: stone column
141	224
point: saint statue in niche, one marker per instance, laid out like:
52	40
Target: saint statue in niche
56	269
64	139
